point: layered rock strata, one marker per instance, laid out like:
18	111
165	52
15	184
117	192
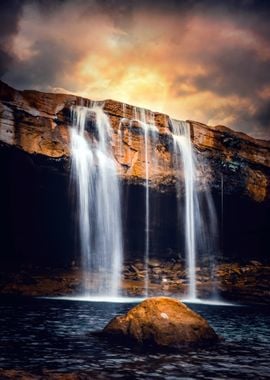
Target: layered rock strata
38	123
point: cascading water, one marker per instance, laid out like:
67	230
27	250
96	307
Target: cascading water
147	121
182	145
98	198
200	215
147	209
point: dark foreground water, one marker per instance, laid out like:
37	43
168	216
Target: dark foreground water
42	336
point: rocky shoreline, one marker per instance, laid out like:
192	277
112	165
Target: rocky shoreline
247	283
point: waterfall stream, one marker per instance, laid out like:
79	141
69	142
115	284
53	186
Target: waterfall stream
200	225
147	122
98	201
94	171
183	145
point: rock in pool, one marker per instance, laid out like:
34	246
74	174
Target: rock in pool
162	322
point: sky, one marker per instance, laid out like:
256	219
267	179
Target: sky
204	60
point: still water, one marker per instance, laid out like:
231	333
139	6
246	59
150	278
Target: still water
38	335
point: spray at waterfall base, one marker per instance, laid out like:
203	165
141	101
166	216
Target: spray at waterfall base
98	199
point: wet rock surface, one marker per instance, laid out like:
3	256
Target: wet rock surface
162	322
240	282
246	282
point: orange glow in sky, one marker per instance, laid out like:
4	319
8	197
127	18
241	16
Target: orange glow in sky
194	65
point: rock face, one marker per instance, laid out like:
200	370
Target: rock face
38	123
36	203
248	283
163	322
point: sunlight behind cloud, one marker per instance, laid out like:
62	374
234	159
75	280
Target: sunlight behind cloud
142	86
194	65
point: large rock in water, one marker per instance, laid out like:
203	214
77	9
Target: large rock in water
163	322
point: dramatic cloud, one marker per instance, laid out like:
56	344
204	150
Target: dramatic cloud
201	60
10	14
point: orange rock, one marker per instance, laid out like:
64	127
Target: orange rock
164	322
257	185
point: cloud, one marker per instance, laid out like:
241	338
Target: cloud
9	19
45	65
204	60
235	72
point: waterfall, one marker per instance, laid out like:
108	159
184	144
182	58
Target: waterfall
147	122
200	216
147	211
94	171
182	145
98	201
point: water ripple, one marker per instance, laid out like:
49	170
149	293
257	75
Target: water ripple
53	335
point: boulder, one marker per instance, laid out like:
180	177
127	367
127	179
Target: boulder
163	322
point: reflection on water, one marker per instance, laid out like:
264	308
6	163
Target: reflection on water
39	334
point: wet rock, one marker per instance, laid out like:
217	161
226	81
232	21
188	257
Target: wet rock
177	266
162	322
154	263
157	270
250	286
139	265
255	263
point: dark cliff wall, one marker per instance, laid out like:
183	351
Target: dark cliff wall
38	217
37	211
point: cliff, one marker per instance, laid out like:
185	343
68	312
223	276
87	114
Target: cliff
38	123
37	213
